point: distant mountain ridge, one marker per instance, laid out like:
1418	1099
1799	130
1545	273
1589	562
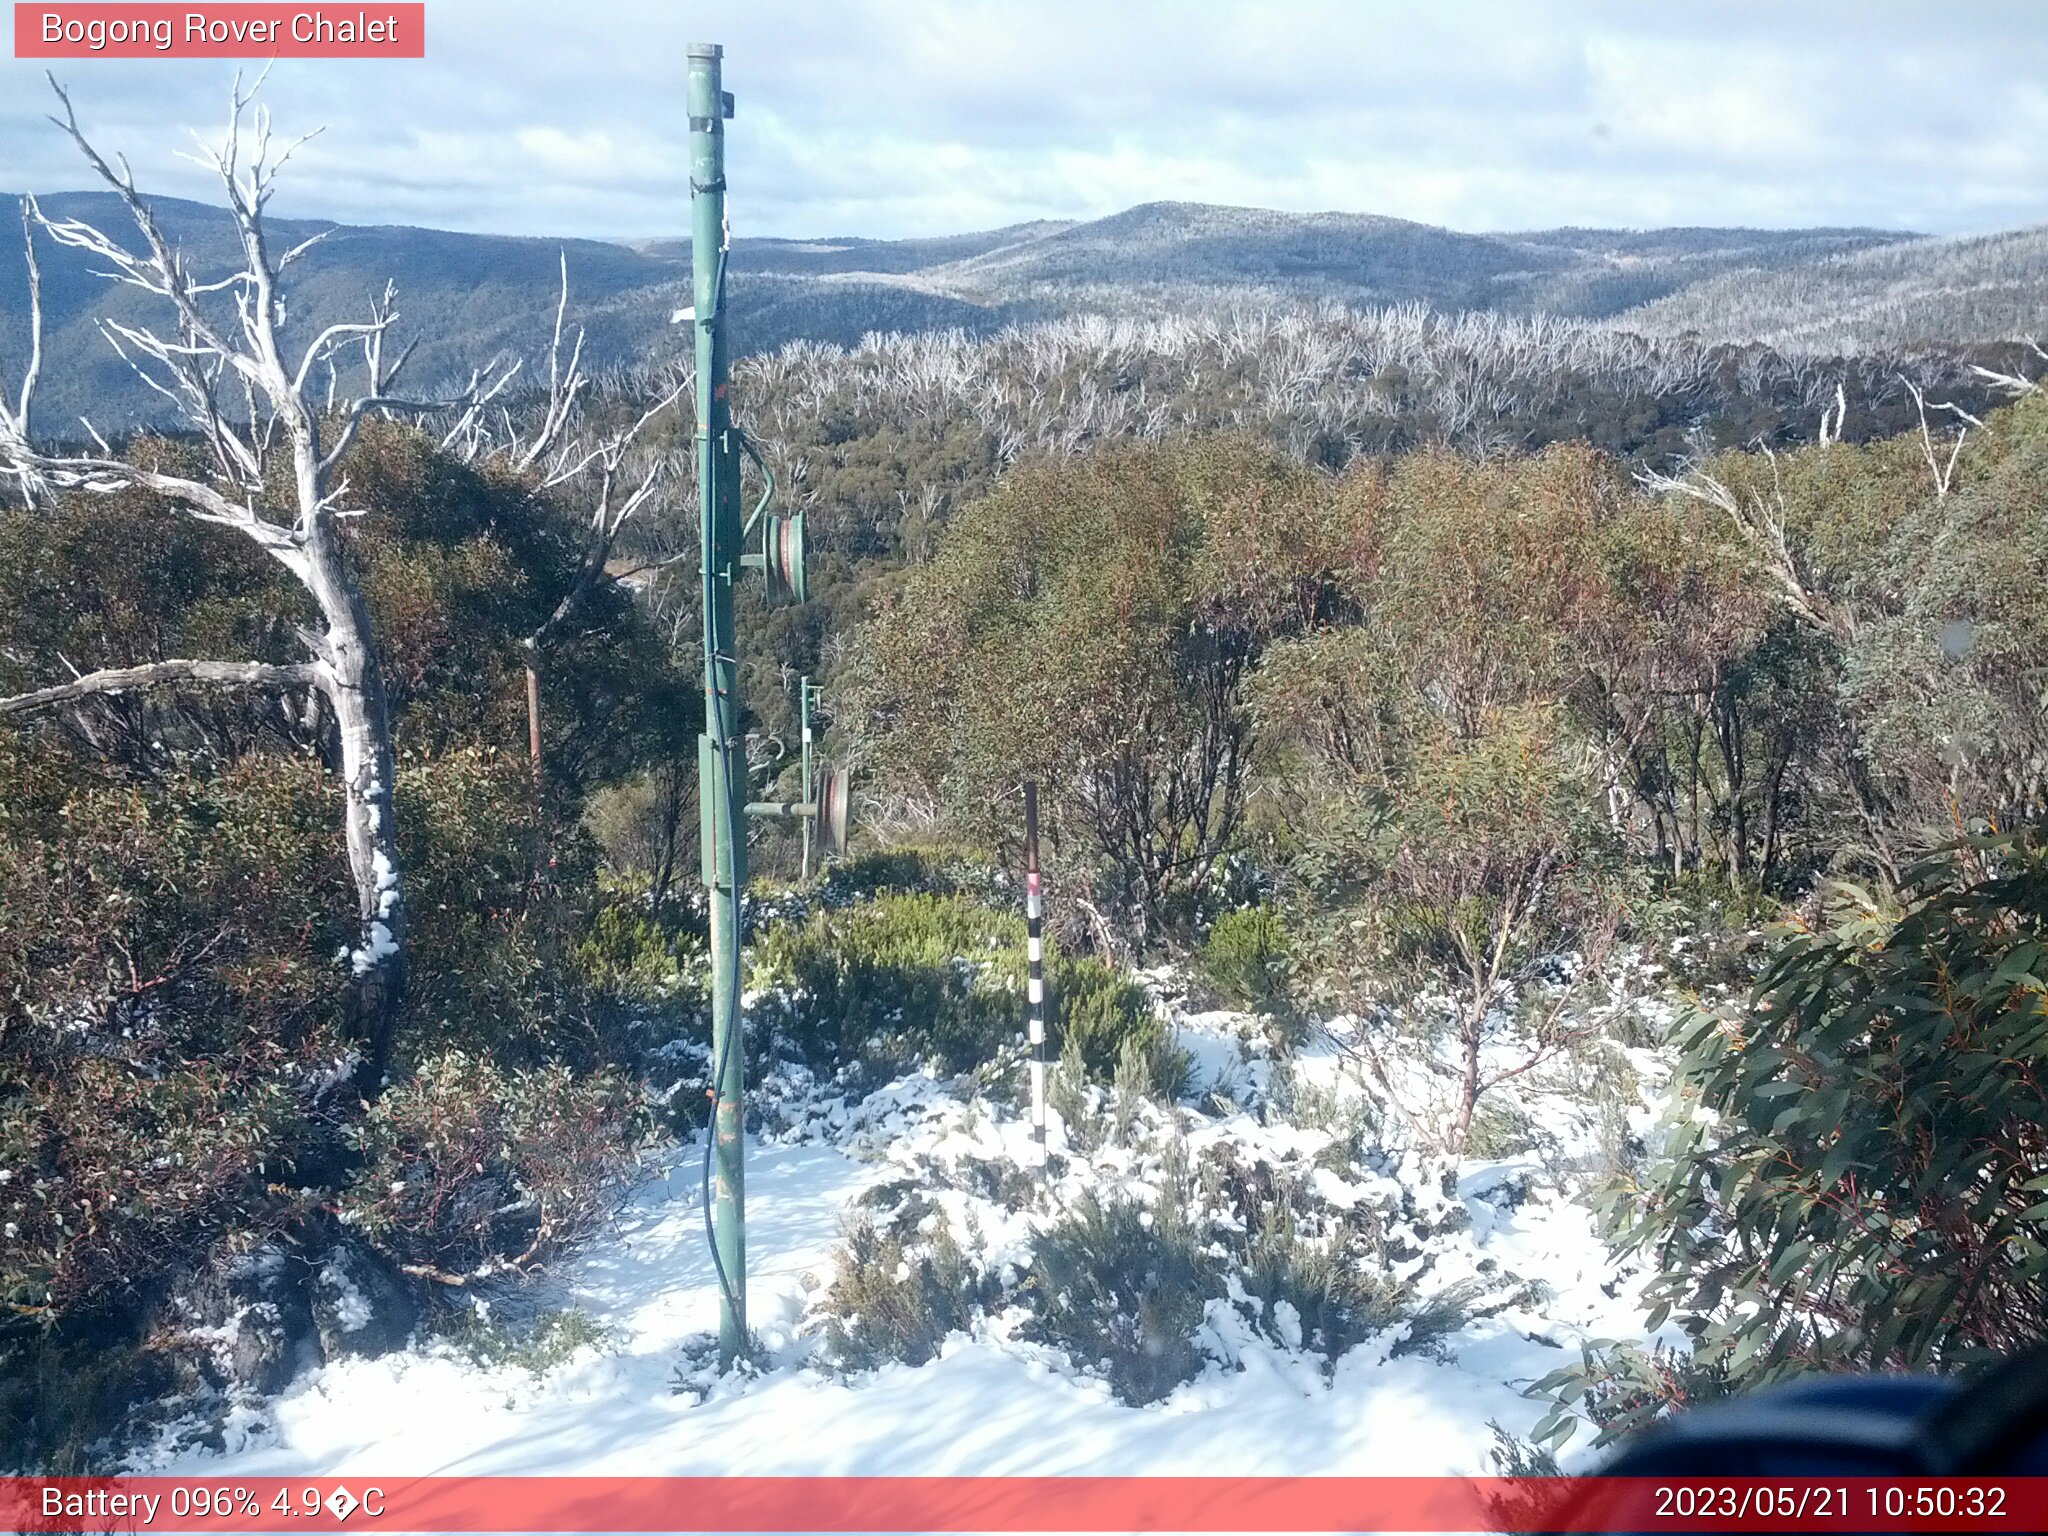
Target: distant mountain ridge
853	253
1369	259
1975	287
472	296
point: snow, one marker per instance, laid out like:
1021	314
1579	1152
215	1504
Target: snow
382	946
643	1402
1215	1046
351	1308
387	882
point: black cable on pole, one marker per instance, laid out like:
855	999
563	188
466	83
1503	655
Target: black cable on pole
724	1054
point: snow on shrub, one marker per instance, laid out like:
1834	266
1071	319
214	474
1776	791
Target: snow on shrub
1121	1285
1312	1296
898	1292
1247	957
108	1178
1854	1178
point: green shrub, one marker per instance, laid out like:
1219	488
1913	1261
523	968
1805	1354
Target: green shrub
486	882
1854	1179
1121	1286
1107	1021
1090	625
1874	1197
1500	1129
168	1014
630	952
1699	904
111	1178
1348	1115
66	1395
176	1078
1248	957
1520	1506
911	979
900	981
939	869
1621	1387
468	1167
1434	1319
1069	1098
167	921
894	1297
646	826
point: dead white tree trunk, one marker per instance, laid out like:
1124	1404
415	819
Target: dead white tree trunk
2012	383
198	357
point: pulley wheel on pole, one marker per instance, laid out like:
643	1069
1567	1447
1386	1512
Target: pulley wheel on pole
783	557
834	808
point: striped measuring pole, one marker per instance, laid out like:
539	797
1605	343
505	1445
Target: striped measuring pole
1034	929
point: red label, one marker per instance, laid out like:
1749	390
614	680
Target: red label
161	1506
374	31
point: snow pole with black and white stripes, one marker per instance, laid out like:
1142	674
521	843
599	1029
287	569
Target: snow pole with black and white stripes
1034	940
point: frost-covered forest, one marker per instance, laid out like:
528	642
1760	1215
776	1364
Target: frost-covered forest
1544	845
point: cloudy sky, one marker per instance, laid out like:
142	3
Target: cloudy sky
899	117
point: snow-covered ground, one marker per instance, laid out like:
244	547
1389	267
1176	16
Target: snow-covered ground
642	1402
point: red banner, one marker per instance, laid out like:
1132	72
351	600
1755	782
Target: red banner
360	31
1053	1504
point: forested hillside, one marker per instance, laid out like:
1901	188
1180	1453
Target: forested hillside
473	297
1886	297
466	298
1192	255
881	444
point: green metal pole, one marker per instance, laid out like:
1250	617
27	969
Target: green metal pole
721	763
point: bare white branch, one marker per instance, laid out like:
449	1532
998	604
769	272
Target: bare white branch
216	674
1944	471
1761	522
187	362
1831	430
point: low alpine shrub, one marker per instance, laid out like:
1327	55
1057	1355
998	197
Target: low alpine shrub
1248	956
897	1294
1121	1286
468	1166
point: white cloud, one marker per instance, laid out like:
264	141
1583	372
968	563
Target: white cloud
922	116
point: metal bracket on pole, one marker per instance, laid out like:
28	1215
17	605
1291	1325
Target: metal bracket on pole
768	478
827	812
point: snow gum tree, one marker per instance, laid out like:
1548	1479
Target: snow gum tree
1092	624
1421	760
276	432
